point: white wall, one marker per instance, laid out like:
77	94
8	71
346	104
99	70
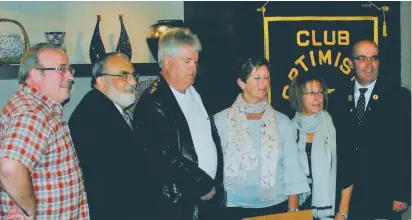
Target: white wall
36	17
78	19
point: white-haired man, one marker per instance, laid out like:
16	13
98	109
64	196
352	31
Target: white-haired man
183	147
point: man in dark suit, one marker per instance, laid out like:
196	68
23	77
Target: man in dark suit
184	154
373	136
105	142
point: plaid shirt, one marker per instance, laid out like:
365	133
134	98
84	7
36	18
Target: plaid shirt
34	133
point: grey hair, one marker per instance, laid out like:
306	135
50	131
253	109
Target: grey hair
172	41
100	65
30	59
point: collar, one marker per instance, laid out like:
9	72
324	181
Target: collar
188	91
118	108
369	87
37	94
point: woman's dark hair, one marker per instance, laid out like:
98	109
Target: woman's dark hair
248	64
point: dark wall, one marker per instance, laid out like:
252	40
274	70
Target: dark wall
229	30
213	23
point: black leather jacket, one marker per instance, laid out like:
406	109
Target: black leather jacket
176	182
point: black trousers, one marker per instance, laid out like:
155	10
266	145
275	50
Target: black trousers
237	213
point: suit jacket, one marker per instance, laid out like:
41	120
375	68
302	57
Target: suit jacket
177	183
109	157
372	155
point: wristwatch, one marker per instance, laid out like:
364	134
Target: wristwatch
345	215
293	209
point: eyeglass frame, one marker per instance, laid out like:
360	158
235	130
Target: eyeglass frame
363	59
125	76
62	69
313	94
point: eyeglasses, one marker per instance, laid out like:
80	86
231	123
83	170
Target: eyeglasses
364	58
313	94
125	76
61	69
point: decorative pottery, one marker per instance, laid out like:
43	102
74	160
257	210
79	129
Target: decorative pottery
12	46
123	45
56	38
96	50
157	30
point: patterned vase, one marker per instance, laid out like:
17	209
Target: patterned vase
56	38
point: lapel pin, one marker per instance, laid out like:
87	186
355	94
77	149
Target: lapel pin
375	97
350	98
351	110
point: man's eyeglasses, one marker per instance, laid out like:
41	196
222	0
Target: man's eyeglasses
125	76
364	58
61	69
313	94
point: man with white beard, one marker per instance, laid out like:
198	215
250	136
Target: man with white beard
104	140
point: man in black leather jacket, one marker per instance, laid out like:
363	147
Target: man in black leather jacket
184	156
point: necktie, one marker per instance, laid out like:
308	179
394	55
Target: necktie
128	119
360	106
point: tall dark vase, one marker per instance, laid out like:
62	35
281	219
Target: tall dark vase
96	45
123	46
157	30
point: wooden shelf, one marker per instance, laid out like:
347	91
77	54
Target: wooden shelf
82	70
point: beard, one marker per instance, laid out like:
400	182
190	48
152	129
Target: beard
122	99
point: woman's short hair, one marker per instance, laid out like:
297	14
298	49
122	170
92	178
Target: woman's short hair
248	64
297	89
171	42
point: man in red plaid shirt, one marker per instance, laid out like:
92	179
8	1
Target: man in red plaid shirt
40	174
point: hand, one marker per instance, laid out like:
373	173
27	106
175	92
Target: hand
399	206
339	217
209	195
16	213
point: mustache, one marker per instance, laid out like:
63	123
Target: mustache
130	89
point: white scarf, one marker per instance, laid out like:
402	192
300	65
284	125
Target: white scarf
238	150
323	159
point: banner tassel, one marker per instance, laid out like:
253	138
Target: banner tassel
263	10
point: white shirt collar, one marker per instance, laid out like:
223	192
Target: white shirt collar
369	87
118	108
368	93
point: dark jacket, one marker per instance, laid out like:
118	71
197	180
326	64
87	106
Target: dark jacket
372	155
177	181
109	157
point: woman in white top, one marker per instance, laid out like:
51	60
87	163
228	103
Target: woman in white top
262	174
316	140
